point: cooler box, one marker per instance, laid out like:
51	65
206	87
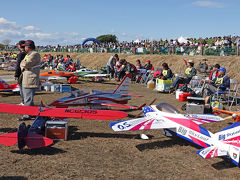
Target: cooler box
55	88
65	88
57	129
162	85
183	96
47	86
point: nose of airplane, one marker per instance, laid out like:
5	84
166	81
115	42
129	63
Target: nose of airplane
55	103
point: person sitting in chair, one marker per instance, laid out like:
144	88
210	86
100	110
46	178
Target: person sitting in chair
189	73
222	82
166	72
214	72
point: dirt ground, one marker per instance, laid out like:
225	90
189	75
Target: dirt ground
95	151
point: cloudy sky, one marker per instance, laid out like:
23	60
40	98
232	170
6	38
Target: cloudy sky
69	21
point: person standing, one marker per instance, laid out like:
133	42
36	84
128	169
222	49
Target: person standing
21	55
110	65
30	67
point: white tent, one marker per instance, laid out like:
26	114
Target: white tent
137	41
182	39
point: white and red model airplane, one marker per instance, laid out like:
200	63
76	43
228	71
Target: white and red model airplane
5	87
96	99
163	116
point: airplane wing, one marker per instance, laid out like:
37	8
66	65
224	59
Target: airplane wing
123	106
144	123
203	118
62	112
132	95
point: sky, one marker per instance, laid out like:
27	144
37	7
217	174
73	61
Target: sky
68	22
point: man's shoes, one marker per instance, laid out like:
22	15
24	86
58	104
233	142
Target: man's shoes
26	117
21	104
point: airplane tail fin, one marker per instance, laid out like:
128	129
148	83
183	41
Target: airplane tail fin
229	146
124	85
34	140
4	85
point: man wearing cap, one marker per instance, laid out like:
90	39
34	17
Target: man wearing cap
18	73
148	66
189	73
222	82
30	67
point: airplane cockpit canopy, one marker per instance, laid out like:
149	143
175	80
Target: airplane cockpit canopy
165	107
81	92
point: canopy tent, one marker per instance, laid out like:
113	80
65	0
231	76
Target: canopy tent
90	39
137	41
182	39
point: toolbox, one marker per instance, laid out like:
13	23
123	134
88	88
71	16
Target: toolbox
56	129
195	105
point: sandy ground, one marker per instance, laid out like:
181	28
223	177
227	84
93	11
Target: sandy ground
94	151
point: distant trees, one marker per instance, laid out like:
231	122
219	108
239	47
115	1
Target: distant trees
2	46
6	42
107	38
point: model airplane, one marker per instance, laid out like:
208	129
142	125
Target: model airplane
117	98
5	87
54	74
32	136
235	116
85	71
163	116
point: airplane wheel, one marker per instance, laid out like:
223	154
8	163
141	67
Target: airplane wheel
22	133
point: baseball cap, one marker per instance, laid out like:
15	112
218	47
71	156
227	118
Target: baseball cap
222	69
29	43
21	43
148	61
190	61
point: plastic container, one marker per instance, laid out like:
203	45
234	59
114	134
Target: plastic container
151	84
65	88
178	92
183	96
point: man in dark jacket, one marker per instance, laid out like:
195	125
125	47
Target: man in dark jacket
222	82
21	55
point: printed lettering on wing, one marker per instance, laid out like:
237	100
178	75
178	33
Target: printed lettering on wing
82	111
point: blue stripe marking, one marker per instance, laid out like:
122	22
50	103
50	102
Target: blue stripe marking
232	126
113	123
234	162
188	139
204	131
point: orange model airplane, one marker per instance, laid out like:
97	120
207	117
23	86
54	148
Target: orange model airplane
54	73
235	116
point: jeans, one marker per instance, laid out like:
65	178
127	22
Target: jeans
28	95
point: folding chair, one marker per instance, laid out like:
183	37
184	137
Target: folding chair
233	95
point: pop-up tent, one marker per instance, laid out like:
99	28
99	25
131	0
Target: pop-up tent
182	39
90	39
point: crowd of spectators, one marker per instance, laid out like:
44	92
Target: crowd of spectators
212	42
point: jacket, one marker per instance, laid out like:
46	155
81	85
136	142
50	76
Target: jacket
190	72
30	67
20	57
224	82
